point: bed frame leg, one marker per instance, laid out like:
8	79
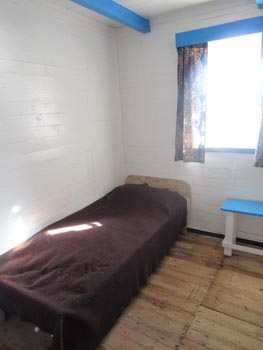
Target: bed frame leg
184	230
2	317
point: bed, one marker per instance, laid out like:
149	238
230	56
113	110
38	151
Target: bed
74	278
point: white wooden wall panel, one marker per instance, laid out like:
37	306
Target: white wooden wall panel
148	80
60	115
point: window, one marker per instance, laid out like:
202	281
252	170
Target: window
234	119
234	92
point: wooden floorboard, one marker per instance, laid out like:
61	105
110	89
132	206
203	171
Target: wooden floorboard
213	330
197	300
238	295
245	263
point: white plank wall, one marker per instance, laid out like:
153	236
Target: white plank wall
60	115
148	81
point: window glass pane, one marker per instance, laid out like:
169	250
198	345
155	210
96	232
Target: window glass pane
234	92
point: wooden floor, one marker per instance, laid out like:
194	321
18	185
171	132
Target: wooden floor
197	300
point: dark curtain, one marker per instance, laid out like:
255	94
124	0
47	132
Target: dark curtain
259	150
191	107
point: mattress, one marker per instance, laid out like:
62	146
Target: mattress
74	278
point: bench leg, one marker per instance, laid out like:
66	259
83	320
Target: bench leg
230	235
228	251
2	317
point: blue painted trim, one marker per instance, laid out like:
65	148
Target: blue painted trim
221	31
241	206
118	13
259	3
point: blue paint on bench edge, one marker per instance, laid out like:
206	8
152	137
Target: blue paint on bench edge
241	206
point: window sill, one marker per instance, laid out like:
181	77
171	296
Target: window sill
231	150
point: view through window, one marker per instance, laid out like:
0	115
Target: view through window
234	81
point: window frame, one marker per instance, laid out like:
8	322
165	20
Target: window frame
217	32
230	150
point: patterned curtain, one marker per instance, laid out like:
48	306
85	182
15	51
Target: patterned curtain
259	150
191	107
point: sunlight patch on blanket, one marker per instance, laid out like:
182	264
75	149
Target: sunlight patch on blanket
75	228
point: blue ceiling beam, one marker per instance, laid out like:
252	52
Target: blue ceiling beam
118	13
259	3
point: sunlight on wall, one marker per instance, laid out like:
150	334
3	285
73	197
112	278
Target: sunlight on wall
20	231
16	209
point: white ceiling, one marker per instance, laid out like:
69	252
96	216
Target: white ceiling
154	8
146	8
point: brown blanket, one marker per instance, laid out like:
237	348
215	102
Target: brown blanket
74	278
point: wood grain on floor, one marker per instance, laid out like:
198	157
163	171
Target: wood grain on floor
213	330
197	300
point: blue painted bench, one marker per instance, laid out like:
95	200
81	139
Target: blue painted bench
232	207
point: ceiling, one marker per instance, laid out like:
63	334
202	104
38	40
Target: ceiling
154	8
146	8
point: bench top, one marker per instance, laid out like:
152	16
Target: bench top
241	206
